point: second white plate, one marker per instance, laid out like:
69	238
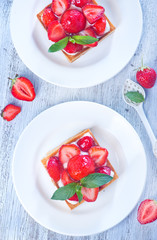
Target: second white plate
97	65
34	187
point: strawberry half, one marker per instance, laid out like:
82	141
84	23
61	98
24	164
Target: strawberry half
81	3
10	112
73	47
22	88
80	166
55	31
48	16
104	169
90	194
99	155
66	152
73	21
89	32
100	26
60	6
54	168
147	211
93	12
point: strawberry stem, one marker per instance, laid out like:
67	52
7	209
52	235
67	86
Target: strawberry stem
13	80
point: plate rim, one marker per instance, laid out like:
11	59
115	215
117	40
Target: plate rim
13	160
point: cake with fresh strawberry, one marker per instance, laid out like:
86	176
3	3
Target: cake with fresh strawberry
80	169
75	26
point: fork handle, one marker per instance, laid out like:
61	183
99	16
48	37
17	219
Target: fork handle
148	129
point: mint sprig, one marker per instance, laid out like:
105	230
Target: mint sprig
135	97
93	180
83	40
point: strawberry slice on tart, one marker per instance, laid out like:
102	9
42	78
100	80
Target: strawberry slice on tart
73	47
93	12
100	26
89	32
81	3
60	6
48	16
68	151
55	31
90	194
99	155
54	168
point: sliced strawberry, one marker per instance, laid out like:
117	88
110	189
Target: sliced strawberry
81	3
55	31
60	6
48	16
54	168
73	21
93	12
73	47
90	194
10	112
99	155
85	143
66	152
147	211
80	166
100	26
89	32
74	198
104	169
65	177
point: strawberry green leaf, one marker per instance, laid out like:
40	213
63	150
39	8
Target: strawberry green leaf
83	40
95	180
65	192
135	97
59	45
79	193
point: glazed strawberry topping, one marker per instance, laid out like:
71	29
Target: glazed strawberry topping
54	168
73	21
85	143
81	3
89	32
68	151
80	166
93	12
104	169
55	31
65	177
100	26
48	16
73	47
99	155
60	6
90	194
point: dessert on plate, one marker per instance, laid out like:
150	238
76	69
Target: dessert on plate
80	169
75	25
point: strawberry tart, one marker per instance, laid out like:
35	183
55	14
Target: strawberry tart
75	26
80	169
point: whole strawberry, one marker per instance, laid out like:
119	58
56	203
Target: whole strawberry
146	76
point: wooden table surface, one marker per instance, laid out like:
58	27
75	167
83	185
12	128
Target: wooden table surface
15	223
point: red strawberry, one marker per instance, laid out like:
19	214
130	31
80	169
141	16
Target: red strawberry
90	194
100	26
54	168
55	31
48	16
89	32
10	112
93	12
99	155
104	169
81	3
66	152
146	76
73	21
22	89
65	177
60	6
147	211
85	143
74	198
80	166
73	47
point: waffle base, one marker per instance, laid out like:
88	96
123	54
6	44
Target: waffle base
72	58
70	140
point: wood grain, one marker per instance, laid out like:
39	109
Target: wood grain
15	223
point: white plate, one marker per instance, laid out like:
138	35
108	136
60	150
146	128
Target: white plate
34	187
96	66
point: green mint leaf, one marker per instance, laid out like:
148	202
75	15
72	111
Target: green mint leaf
79	193
95	180
135	97
65	192
59	45
72	40
83	40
